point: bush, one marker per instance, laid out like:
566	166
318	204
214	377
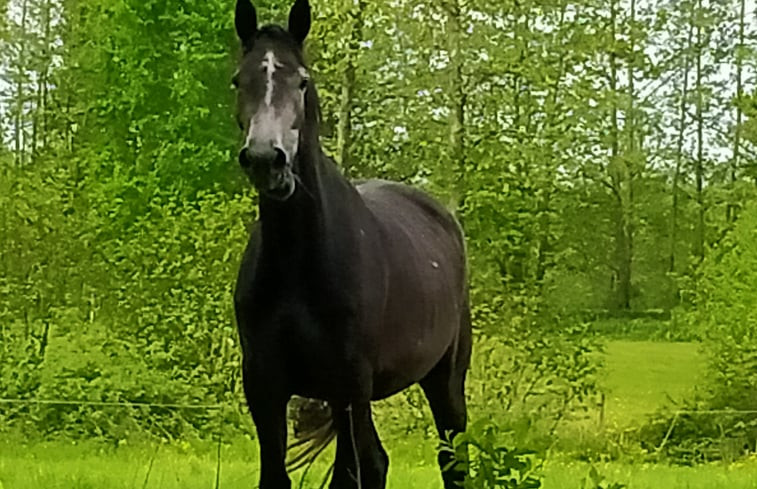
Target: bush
536	372
491	463
722	422
151	322
725	309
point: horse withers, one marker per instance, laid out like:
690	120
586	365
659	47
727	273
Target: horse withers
346	293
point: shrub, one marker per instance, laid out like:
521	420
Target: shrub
722	422
536	372
154	325
491	463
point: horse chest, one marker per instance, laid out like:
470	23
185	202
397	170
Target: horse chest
296	335
320	357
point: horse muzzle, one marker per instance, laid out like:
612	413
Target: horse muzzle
269	171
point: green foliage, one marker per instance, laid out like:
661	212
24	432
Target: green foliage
722	423
491	463
153	324
118	261
726	310
539	368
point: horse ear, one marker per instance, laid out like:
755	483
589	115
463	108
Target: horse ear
246	21
299	20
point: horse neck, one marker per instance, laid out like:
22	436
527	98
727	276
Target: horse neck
314	217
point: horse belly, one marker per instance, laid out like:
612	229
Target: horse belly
416	336
420	321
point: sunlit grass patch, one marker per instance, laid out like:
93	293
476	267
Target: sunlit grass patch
642	376
568	475
89	466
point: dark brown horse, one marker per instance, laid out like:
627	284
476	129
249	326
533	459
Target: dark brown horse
346	293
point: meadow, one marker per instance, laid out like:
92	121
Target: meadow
58	466
639	377
642	376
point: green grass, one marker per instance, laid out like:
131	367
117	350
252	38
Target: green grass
642	376
568	475
89	466
61	465
639	377
64	465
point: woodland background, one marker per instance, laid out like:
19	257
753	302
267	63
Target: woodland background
601	155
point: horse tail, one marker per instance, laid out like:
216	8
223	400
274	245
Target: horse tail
314	430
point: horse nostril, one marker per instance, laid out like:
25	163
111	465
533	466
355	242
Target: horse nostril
280	160
263	158
244	158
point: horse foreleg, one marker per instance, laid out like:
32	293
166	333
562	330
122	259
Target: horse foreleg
359	453
268	409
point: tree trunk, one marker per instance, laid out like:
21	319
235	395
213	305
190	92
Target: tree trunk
544	250
518	267
18	122
346	104
620	177
46	74
731	208
679	151
457	100
699	164
632	162
39	135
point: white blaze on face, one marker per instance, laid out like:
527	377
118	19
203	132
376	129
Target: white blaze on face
274	125
265	117
270	63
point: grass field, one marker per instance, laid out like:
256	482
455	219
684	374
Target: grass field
639	378
58	466
645	476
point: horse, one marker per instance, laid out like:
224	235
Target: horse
347	292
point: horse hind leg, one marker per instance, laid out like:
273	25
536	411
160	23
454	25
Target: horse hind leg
359	452
444	388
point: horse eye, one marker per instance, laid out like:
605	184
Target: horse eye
235	81
304	84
